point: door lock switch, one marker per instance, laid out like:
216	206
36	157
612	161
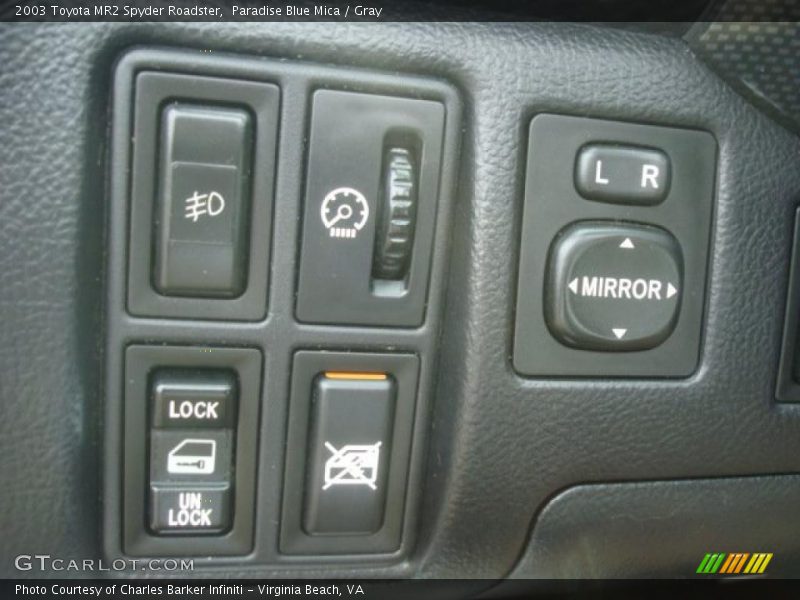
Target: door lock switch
613	286
194	399
198	509
192	450
190	456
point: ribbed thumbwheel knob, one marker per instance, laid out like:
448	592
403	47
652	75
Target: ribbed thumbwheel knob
395	235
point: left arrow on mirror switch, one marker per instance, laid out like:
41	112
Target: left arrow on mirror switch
201	218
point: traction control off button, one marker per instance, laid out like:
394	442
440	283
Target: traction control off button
613	286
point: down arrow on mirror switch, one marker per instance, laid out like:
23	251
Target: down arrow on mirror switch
613	286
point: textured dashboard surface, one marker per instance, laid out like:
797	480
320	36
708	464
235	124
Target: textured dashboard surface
608	530
501	445
760	58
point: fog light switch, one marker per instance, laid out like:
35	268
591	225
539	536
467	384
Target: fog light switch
201	224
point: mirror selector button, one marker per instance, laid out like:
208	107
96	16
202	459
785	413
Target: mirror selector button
613	286
201	219
349	447
622	174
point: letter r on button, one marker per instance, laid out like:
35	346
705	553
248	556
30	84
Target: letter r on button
650	174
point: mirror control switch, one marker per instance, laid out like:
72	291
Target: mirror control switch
613	286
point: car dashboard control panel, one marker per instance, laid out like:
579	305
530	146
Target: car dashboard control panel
277	268
277	239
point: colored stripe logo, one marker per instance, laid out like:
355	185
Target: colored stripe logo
734	563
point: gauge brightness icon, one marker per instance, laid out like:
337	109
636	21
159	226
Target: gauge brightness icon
344	212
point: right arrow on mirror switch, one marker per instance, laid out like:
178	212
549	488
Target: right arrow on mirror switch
613	286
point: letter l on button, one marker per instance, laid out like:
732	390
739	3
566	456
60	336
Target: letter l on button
598	175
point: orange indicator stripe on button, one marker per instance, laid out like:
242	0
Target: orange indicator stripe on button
355	375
